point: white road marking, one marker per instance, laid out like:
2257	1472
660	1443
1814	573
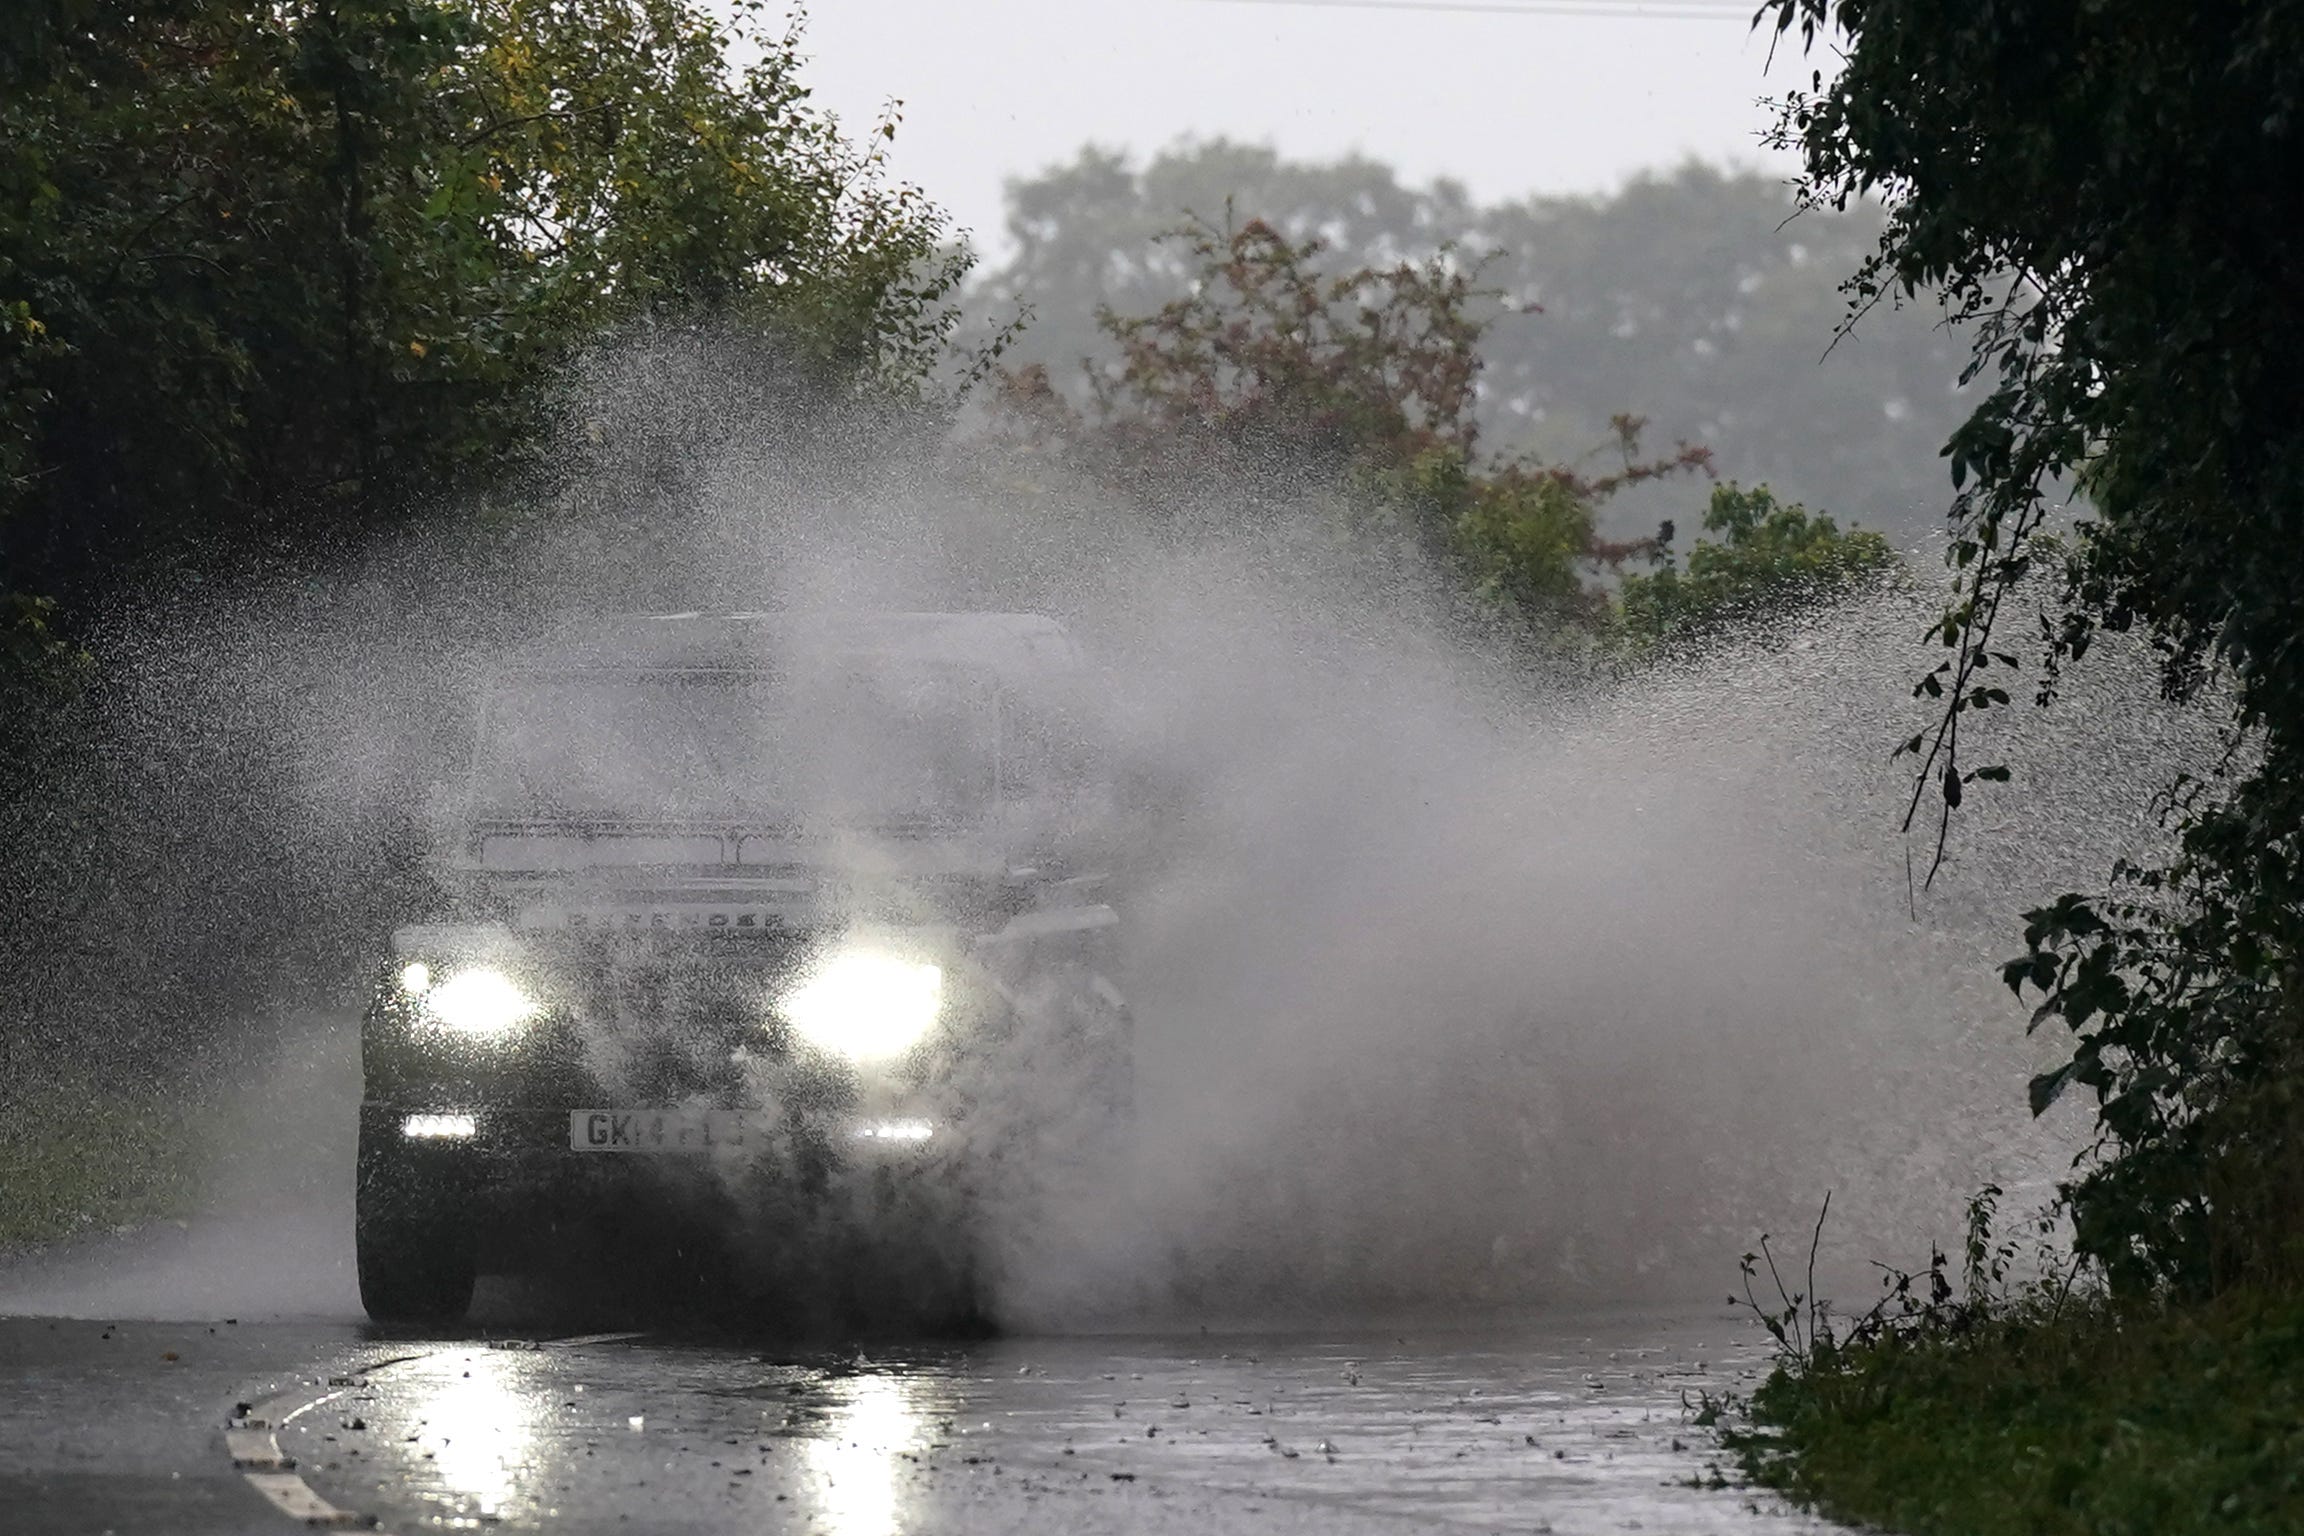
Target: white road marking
275	1412
257	1456
255	1448
294	1497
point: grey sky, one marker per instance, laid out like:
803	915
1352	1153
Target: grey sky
1541	101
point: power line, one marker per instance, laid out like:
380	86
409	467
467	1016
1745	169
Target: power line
1631	10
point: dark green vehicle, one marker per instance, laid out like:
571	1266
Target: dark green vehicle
795	919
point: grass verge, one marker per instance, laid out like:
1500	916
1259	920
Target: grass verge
76	1157
2076	1418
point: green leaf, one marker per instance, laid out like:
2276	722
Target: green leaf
2047	1087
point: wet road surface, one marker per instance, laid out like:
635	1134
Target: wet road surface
1563	1425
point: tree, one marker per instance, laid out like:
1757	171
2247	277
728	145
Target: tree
1687	299
268	273
2104	194
1272	377
1773	558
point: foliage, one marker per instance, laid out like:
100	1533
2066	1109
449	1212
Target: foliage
79	1150
2103	193
2000	1405
623	143
1812	1339
1773	557
1685	299
1268	363
36	666
267	273
1271	377
2041	1419
2182	996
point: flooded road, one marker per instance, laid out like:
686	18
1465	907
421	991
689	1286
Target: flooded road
1566	1425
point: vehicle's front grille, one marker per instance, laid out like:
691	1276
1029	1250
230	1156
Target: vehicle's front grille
664	1024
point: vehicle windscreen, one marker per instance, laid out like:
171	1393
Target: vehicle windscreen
852	745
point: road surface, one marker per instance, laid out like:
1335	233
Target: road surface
1562	1424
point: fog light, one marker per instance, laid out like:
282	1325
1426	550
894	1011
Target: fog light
895	1130
438	1127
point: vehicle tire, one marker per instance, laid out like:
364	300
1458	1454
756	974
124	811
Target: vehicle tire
413	1273
961	1310
416	1249
903	1260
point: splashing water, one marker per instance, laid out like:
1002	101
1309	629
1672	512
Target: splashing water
1455	984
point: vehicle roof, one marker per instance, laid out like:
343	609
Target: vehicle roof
1009	645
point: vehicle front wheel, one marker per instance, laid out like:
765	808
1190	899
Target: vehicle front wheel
415	1247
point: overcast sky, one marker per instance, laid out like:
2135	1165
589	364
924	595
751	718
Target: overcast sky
1553	100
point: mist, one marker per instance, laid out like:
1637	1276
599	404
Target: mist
1458	982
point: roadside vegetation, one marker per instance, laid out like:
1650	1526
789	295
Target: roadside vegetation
2098	194
78	1154
1967	1402
1342	405
2025	1419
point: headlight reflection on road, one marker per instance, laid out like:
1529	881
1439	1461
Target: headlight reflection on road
860	1453
479	1426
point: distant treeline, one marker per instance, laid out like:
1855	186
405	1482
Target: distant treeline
1692	299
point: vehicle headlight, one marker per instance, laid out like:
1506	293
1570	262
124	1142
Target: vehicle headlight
866	1005
481	1000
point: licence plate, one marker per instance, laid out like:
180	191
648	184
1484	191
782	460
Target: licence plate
656	1130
